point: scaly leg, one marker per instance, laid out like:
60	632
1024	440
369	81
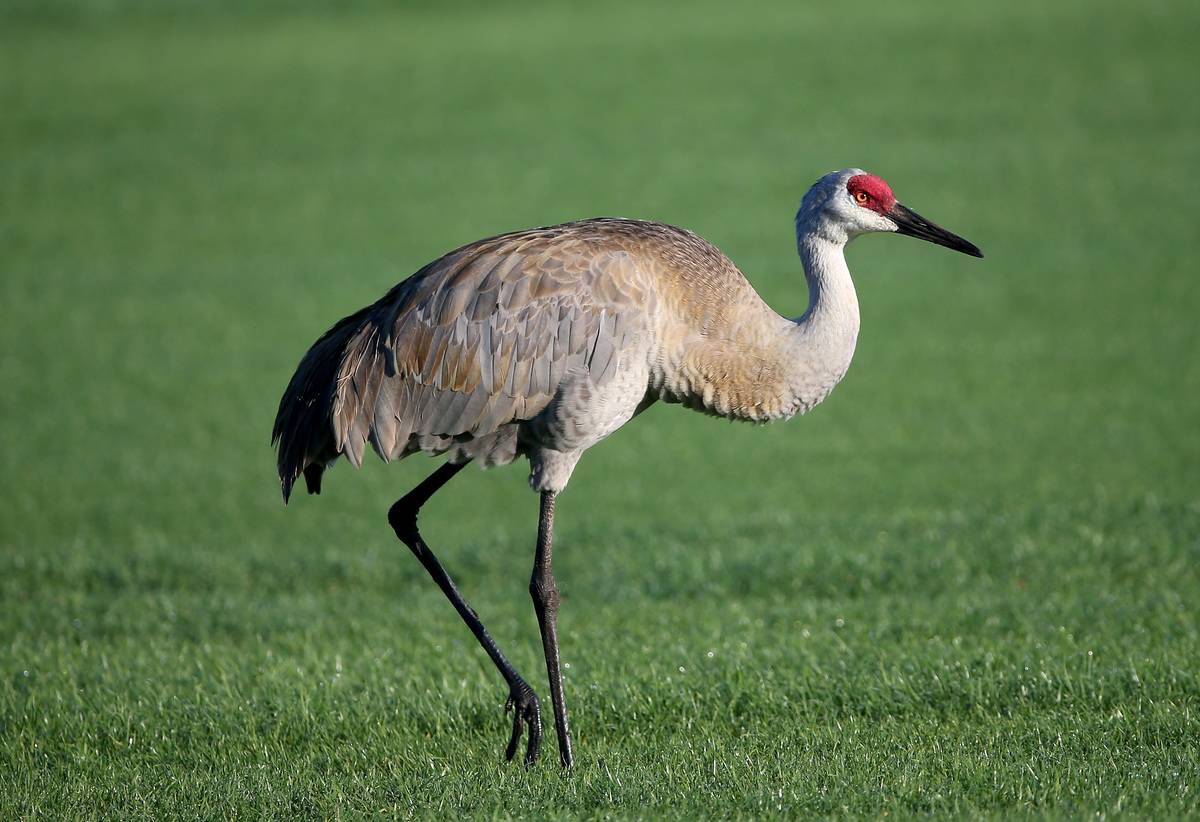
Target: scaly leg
544	591
521	698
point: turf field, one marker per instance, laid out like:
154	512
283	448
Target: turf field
967	584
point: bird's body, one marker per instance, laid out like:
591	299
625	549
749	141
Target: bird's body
543	342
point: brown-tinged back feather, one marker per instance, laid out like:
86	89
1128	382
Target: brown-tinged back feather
476	340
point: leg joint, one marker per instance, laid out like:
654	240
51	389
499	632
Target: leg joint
403	515
403	518
544	592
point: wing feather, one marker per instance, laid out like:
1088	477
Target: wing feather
474	341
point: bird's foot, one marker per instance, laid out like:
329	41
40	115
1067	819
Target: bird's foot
527	710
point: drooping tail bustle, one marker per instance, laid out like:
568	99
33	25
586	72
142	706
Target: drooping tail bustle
303	431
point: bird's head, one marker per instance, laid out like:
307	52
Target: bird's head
844	204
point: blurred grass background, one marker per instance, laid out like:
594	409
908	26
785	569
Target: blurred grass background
967	583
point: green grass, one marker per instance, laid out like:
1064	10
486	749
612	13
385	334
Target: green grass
967	584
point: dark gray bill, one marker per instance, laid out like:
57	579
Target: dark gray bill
912	224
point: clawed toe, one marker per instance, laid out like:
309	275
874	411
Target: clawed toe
527	710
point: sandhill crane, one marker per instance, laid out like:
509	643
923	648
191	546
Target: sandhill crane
543	342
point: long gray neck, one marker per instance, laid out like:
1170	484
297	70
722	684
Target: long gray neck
821	342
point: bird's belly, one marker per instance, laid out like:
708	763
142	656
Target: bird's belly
581	414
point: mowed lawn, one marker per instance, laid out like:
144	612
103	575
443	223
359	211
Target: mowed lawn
967	584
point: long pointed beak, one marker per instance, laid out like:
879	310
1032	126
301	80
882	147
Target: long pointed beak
912	224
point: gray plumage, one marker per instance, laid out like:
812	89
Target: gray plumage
454	357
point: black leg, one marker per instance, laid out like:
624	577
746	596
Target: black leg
521	698
544	591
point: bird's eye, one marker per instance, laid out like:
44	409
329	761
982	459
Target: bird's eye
861	197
